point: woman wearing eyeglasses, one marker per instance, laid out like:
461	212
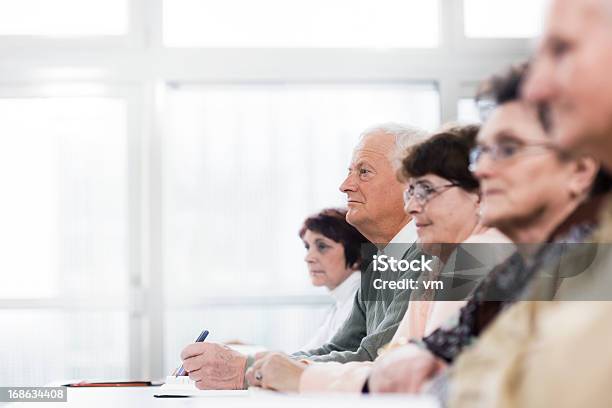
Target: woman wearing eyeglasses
533	193
442	194
443	197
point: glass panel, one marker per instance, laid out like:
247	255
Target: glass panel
49	345
283	328
63	17
313	23
467	111
245	164
504	18
64	201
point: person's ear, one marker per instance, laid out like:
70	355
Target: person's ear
476	198
583	175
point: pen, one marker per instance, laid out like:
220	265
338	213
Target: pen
200	339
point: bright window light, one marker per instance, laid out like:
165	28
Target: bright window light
64	197
77	345
245	164
300	23
64	18
467	111
504	18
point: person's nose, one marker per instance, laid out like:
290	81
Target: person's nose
349	184
483	168
309	257
539	85
412	207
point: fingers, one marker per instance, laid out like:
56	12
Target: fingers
423	368
250	378
254	371
254	378
379	384
261	355
407	379
200	385
193	350
266	372
428	372
196	375
193	363
193	355
392	378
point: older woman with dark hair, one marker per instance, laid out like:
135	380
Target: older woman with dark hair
333	258
537	196
438	167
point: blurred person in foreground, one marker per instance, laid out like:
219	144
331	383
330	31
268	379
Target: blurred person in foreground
533	193
557	353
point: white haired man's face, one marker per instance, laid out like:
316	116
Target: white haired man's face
571	74
374	195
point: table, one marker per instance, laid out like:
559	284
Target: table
120	397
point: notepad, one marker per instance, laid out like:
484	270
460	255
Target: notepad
183	386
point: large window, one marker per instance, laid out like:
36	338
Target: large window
157	158
504	18
467	111
244	165
63	18
64	238
301	23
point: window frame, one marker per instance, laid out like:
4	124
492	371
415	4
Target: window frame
138	67
134	37
134	302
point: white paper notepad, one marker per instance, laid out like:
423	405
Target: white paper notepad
183	386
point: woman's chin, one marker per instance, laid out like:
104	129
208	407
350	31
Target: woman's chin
424	240
317	281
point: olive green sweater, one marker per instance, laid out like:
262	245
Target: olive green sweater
372	323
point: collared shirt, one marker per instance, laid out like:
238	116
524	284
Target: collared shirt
407	236
372	322
343	294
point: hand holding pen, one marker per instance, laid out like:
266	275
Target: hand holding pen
200	339
214	366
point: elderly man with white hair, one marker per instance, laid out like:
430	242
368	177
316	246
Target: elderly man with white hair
375	209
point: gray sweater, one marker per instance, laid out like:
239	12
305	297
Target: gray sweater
371	324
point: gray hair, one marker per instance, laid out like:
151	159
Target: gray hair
406	136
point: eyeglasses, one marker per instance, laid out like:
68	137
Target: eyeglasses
424	193
503	152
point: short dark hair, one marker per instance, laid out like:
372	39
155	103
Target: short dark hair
331	222
445	154
602	183
506	87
